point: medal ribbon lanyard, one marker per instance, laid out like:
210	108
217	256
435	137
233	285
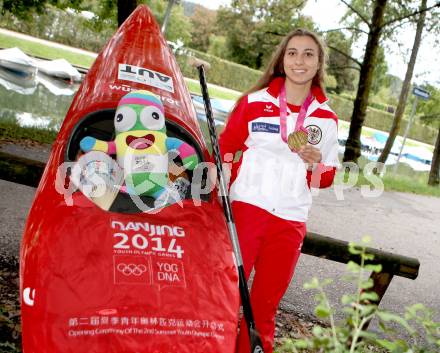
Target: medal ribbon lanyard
283	113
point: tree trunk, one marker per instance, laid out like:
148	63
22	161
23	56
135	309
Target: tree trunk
353	145
167	16
405	87
435	164
125	8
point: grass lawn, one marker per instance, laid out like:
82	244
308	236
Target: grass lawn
214	92
407	184
405	180
404	183
12	131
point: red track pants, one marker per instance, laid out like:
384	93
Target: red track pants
272	245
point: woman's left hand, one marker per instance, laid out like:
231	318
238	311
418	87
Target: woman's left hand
310	154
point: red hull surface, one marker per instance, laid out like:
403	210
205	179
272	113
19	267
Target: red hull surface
110	281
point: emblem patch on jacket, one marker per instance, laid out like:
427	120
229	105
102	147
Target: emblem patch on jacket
314	134
265	127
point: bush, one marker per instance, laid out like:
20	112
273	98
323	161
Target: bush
381	120
330	83
217	46
379	106
223	73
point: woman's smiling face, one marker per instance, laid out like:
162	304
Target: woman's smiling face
301	60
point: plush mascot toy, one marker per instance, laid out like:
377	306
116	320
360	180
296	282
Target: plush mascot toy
141	144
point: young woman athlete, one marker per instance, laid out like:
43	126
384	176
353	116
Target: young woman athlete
287	135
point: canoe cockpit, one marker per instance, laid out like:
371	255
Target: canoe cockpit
100	125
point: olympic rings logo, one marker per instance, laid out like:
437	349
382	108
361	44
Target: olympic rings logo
131	269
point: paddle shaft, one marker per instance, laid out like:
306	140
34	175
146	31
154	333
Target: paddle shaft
255	341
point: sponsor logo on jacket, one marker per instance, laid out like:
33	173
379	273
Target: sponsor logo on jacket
268	108
265	127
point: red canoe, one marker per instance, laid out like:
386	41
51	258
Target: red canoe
122	280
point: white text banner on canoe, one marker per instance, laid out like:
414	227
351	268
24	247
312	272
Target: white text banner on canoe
145	76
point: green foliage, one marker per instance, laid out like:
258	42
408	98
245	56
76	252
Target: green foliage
375	103
385	97
394	86
25	8
241	37
330	82
222	72
179	26
203	26
218	47
339	65
430	109
393	10
63	27
386	15
254	28
349	335
73	29
353	20
380	71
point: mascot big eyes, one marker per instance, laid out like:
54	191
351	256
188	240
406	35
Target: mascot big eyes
141	144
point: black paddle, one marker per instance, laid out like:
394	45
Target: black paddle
254	337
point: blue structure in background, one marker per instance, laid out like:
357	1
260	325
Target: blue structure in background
380	137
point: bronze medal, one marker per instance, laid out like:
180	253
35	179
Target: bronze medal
297	139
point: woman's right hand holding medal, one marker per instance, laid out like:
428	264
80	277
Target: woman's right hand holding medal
310	155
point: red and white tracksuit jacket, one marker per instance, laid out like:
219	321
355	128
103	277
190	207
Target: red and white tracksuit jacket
270	190
272	176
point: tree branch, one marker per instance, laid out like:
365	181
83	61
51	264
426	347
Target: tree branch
357	13
345	54
400	24
338	29
300	6
410	15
